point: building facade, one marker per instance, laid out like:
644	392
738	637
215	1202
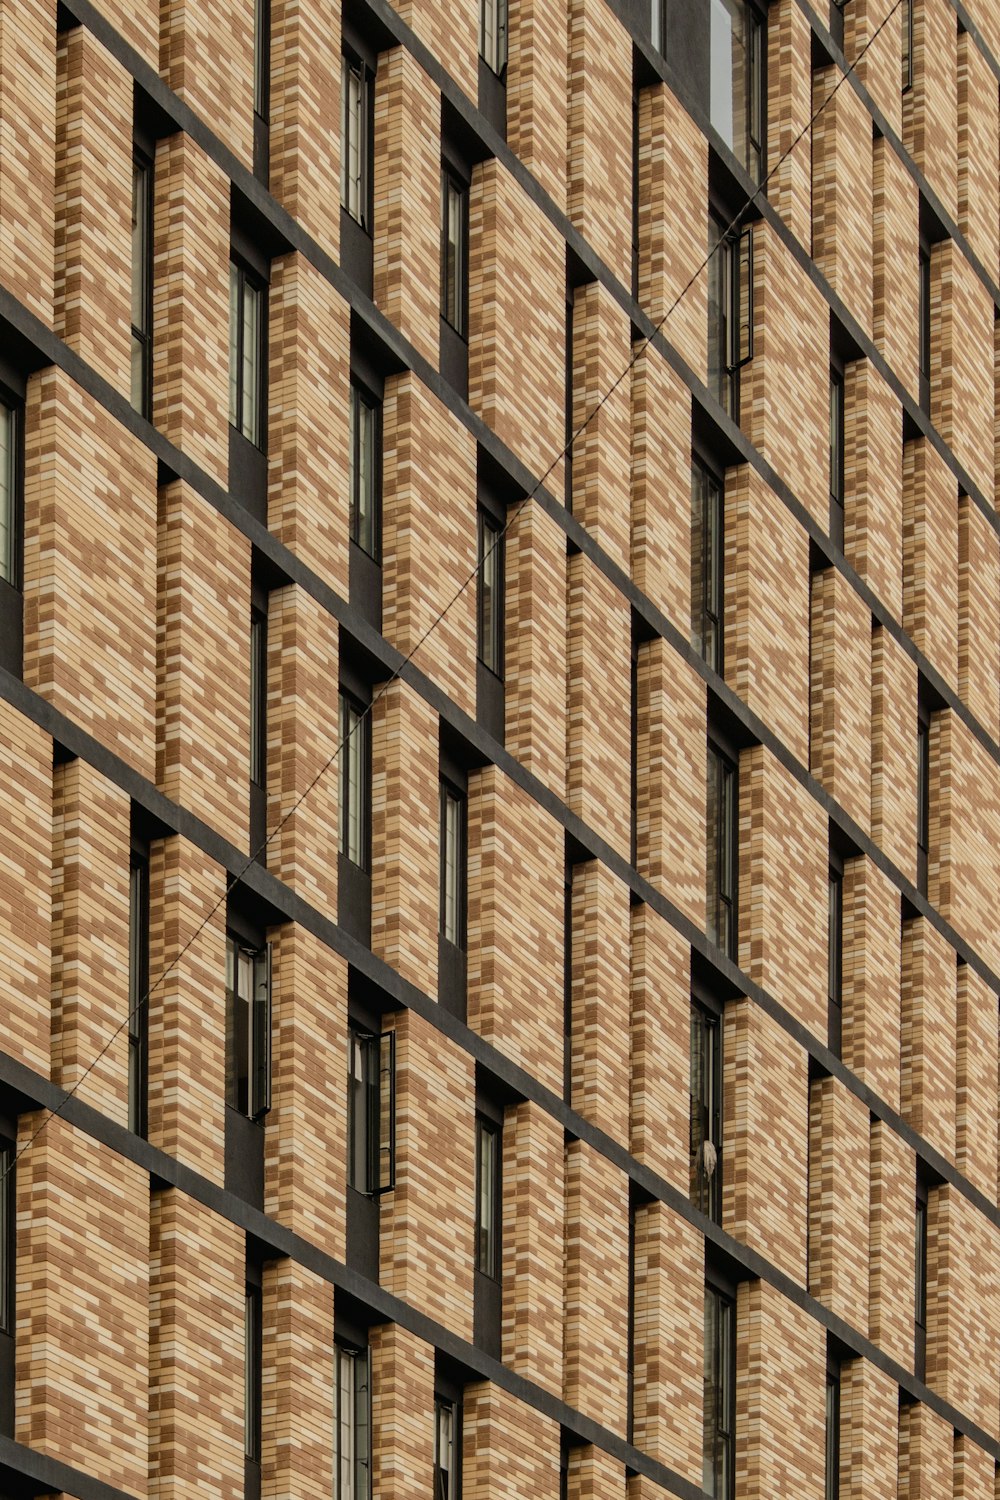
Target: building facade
500	749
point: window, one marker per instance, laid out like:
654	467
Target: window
706	1111
371	1112
906	13
353	1424
832	1467
493	34
356	130
252	1382
730	310
248	1028
920	1280
721	862
9	493
835	958
258	697
452	865
719	1409
247	324
488	1198
365	471
454	252
707	544
923	794
354	774
837	457
142	285
737	79
658	24
261	58
489	603
7	1235
445	1449
925	325
138	993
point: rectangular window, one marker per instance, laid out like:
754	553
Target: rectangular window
835	959
356	156
454	252
837	458
365	469
706	1112
658	24
142	285
247	327
737	81
138	994
719	1409
248	1028
925	327
488	1198
445	1450
730	310
906	13
832	1467
353	1424
923	795
354	781
920	1280
721	862
452	865
258	697
490	600
252	1383
707	577
7	1236
261	57
371	1111
8	494
493	34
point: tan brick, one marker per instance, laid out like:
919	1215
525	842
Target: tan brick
596	1286
598	707
878	62
930	557
780	1395
978	613
305	98
891	1231
962	391
206	57
975	1469
26	889
594	1475
894	752
842	192
451	36
402	1413
508	1449
27	152
661	462
668	1340
873	483
535	646
871	978
599	1088
669	775
838	1200
599	167
963	1307
978	147
532	1242
976	1076
896	286
297	1417
927	1034
930	107
538	90
789	75
601	421
869	1409
840	694
925	1453
964	862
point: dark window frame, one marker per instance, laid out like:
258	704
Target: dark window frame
355	755
253	1362
831	1470
835	952
907	46
141	392
719	1410
8	1234
722	912
371	1111
447	1481
248	1088
708	561
362	187
455	308
355	1358
923	820
706	1113
490	549
243	276
749	144
453	924
262	60
12	556
489	1215
731	293
138	988
920	1274
493	36
365	499
258	688
924	322
837	452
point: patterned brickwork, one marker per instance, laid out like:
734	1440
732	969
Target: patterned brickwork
537	90
535	646
930	107
93	205
305	101
516	960
927	1034
429	537
842	193
840	694
961	388
976	1072
83	1377
661	532
964	863
661	1039
426	1240
599	165
880	65
667	1320
871	978
138	21
402	1413
925	1453
599	977
788	110
930	557
27	152
298	1395
894	752
963	1311
600	456
308	417
598	691
873	483
978	148
450	33
595	1313
206	57
838	1200
975	1471
869	1407
978	612
407	199
26	890
780	1393
890	1276
90	933
593	1475
508	1450
533	1217
89	567
895	266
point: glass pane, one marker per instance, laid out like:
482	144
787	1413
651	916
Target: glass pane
345	1455
137	998
7	492
451	868
362	1419
258	700
6	1232
710	1396
140	188
723	19
352	95
260	1038
488	32
234	343
358	1120
260	50
486	1202
720	291
250	368
250	1376
386	1110
490	603
444	1444
712	847
453	290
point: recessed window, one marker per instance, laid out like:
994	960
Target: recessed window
9	493
923	795
356	155
906	20
248	1028
658	24
261	57
488	1198
920	1279
365	470
707	572
721	861
730	310
371	1112
831	1475
142	285
835	957
737	100
352	1433
258	697
924	264
252	1382
247	328
454	252
719	1412
7	1239
355	761
445	1450
493	34
837	457
706	1111
490	593
453	835
138	992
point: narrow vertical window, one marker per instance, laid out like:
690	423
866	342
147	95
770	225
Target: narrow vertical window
906	14
356	160
365	460
487	1198
248	1028
658	24
8	494
252	1383
706	1112
452	865
920	1280
454	252
261	58
445	1451
923	795
925	326
707	576
837	458
138	994
490	594
721	862
737	79
832	1467
247	323
353	1424
354	777
718	1470
730	310
835	959
371	1109
7	1240
258	697
493	34
142	286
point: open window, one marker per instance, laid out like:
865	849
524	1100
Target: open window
730	308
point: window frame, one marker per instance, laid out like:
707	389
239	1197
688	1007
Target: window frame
12	492
831	1468
923	820
490	600
749	140
138	992
708	522
354	739
357	194
453	904
837	454
253	1348
493	35
354	1363
262	60
8	1234
141	335
731	295
707	1125
371	1111
258	693
365	498
253	427
907	47
488	1219
924	323
920	1227
447	1484
835	953
455	310
258	1027
719	1373
723	882
658	26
